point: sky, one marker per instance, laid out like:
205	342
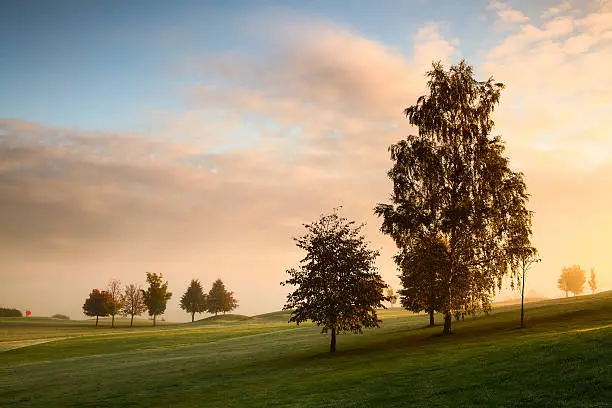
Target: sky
194	138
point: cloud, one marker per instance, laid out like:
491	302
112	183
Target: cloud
507	17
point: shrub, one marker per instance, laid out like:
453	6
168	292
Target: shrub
5	312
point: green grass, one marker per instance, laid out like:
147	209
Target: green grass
563	358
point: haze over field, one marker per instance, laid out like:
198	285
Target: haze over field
193	139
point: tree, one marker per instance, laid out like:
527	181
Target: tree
220	300
97	304
572	279
156	296
528	258
229	302
422	275
115	299
194	300
337	285
133	302
392	296
452	181
593	281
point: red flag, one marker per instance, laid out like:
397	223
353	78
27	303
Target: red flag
28	312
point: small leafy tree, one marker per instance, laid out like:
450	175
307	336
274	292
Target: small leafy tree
97	304
133	302
572	279
528	257
593	281
337	285
115	299
423	275
156	296
194	299
230	302
392	296
219	299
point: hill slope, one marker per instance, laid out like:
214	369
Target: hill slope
561	359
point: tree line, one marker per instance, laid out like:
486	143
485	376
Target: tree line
457	214
573	278
132	300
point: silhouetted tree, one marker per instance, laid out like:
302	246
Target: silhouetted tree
115	300
97	304
529	257
156	296
337	285
572	279
194	299
133	302
229	302
593	281
453	181
392	296
220	300
423	270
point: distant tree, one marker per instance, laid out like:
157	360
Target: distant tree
422	273
593	281
572	279
6	312
60	316
156	296
453	180
115	300
97	304
229	302
392	296
337	285
219	299
194	299
133	302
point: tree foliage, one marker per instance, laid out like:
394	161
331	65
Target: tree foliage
392	296
9	312
194	300
156	296
97	304
452	182
423	272
133	302
572	279
336	285
115	299
593	281
219	299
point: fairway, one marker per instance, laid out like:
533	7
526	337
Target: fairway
562	358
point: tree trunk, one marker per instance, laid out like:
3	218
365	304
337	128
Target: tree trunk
96	320
448	318
432	322
216	313
154	316
566	293
523	300
332	345
132	321
192	316
113	322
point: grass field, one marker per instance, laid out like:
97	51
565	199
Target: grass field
563	358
